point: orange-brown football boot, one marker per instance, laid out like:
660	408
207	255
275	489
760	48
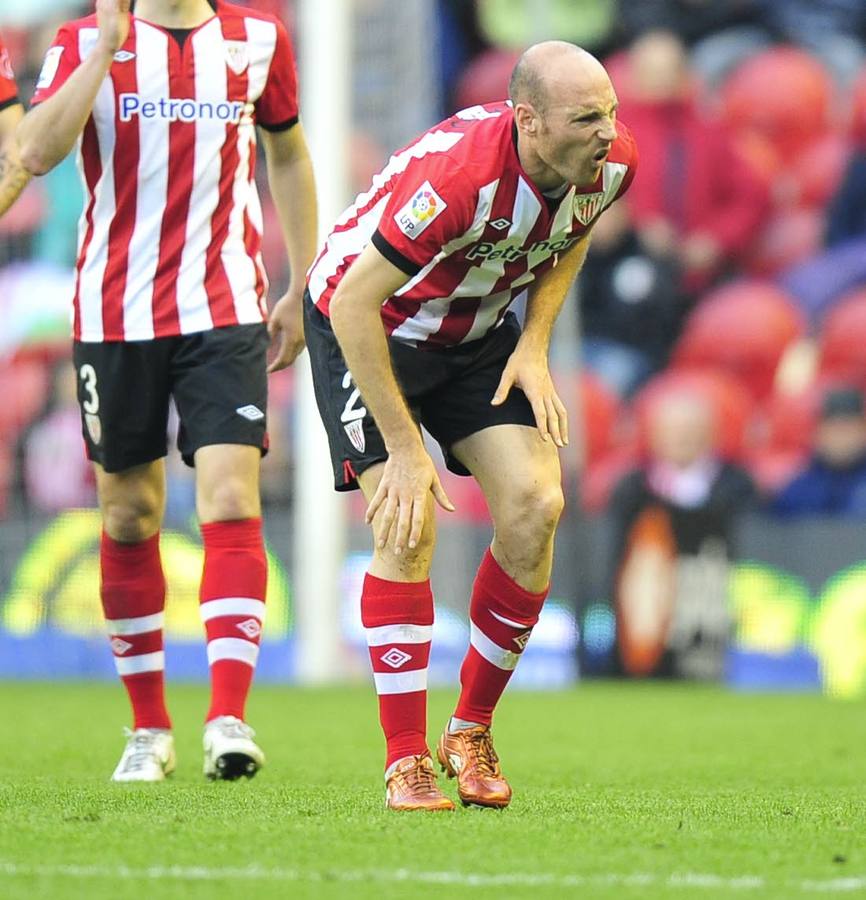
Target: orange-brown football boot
411	785
469	756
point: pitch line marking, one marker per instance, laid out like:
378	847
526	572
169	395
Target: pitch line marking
464	879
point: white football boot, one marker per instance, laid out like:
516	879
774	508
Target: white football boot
147	756
229	749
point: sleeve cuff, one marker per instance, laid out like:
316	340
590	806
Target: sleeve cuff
279	126
394	256
9	101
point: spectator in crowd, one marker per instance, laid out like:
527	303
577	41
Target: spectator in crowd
629	304
55	473
674	519
697	201
834	481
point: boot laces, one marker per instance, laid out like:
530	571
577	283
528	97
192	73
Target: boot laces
483	755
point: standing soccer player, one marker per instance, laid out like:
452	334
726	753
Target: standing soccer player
170	302
407	322
13	176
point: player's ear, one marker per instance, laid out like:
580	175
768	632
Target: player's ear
526	118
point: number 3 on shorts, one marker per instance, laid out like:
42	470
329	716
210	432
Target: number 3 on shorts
88	377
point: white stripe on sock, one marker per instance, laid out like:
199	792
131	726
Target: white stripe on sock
232	648
400	682
144	662
493	653
508	621
398	634
138	625
232	606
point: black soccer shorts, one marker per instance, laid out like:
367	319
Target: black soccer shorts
217	378
448	391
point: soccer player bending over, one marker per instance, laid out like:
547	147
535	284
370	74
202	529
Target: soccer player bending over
407	323
170	303
13	175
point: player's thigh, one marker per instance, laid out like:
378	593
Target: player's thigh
123	395
227	482
518	472
219	384
354	440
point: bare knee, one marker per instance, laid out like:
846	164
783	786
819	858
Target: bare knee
526	525
229	499
132	517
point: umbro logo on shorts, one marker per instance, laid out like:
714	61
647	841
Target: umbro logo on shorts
250	412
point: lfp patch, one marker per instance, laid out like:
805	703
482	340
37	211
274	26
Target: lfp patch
420	211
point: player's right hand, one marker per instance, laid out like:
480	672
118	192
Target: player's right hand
114	19
400	502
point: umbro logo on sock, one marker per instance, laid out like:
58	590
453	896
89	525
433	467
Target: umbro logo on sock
522	640
251	628
395	658
120	646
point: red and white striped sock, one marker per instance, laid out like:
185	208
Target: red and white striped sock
133	600
398	619
232	605
502	615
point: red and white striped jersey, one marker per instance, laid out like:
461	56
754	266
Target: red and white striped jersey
169	240
8	89
456	211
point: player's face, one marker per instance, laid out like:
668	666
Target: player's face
574	138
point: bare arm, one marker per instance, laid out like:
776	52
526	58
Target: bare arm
527	367
290	176
48	132
409	472
13	175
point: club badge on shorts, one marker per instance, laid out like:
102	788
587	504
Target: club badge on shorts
355	432
94	427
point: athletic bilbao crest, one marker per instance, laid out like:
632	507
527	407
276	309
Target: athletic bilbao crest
237	56
587	207
355	432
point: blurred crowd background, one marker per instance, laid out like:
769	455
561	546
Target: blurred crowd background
721	312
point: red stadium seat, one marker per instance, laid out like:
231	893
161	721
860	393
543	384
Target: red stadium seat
791	236
842	353
601	410
485	79
743	329
24	387
733	406
782	93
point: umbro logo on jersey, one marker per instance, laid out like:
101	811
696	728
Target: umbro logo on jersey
123	56
500	224
395	658
250	412
251	628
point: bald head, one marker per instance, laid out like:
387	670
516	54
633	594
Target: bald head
553	72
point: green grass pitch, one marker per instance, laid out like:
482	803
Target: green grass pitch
621	791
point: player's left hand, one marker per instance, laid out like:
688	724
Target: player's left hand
529	372
287	321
